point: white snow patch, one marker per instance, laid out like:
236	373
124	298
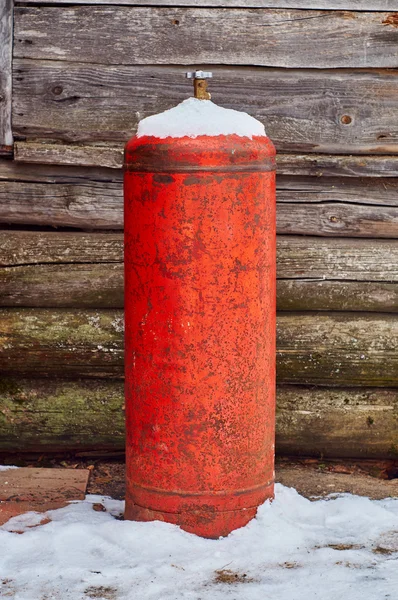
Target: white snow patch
285	553
7	467
194	117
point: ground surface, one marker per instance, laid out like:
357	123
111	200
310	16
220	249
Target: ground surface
295	549
341	546
310	477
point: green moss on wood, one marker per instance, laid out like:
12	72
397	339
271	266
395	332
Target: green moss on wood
52	415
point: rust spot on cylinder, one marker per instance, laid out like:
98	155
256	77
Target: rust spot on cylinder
163	178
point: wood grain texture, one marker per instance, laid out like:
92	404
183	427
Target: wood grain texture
60	196
360	423
366	5
330	219
338	207
150	35
328	349
92	198
6	28
303	111
25	248
333	165
48	415
111	156
56	342
58	269
337	259
76	270
62	154
337	349
69	286
52	415
336	274
330	295
335	190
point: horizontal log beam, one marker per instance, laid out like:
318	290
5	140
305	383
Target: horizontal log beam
69	343
365	5
49	415
304	111
148	35
93	199
298	294
62	415
337	349
24	248
74	286
6	45
326	349
111	156
333	165
79	270
334	422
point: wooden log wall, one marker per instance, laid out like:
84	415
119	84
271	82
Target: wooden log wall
322	76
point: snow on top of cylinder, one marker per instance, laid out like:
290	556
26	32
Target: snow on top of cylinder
194	117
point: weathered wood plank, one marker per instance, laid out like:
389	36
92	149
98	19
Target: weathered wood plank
300	294
336	274
323	190
52	415
89	198
305	111
148	35
111	156
61	196
75	270
332	219
6	28
323	165
329	349
68	343
24	248
334	207
366	5
338	349
67	286
62	154
337	259
35	173
361	423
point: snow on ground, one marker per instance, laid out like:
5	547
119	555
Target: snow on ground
295	549
194	117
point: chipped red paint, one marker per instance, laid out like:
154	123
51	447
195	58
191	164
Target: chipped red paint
200	330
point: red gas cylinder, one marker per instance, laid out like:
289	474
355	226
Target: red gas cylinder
199	327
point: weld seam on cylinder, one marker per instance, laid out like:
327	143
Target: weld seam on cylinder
197	510
218	494
137	168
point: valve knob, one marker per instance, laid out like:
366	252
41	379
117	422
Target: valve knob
200	83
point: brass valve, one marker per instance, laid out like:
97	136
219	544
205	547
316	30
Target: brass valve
200	83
